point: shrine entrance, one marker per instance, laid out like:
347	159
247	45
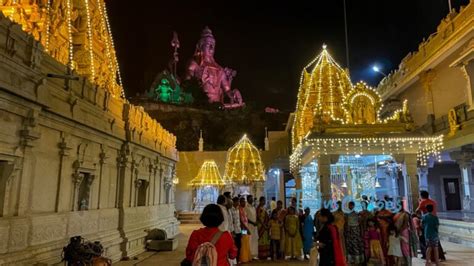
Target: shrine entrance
357	178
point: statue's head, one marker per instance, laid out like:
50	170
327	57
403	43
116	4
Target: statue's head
207	43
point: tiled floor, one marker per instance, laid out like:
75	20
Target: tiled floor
455	254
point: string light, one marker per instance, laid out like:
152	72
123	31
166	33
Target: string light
48	25
69	31
114	58
90	41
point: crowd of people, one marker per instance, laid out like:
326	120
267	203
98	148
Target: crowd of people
243	231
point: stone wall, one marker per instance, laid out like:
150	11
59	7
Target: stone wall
74	161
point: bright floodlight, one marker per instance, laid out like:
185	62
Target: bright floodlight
376	68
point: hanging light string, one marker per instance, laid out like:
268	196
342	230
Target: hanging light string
70	63
90	41
47	26
114	57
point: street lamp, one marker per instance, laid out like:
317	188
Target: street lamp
375	68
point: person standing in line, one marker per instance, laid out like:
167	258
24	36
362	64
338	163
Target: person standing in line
329	246
353	237
235	218
384	219
281	213
251	213
293	243
424	201
408	236
228	205
273	204
211	218
222	203
339	222
275	235
430	228
394	246
262	226
308	232
244	254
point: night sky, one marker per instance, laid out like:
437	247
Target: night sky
269	42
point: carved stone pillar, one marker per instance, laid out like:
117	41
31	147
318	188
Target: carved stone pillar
102	162
466	63
426	79
468	71
423	178
411	181
464	159
6	170
64	149
324	171
28	136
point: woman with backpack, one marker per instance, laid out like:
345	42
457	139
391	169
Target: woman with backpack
209	245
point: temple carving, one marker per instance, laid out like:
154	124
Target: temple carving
76	33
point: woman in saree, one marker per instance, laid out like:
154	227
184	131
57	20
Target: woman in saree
262	227
293	243
408	242
384	219
328	243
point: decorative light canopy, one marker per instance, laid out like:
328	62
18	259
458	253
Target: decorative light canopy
208	175
244	164
76	33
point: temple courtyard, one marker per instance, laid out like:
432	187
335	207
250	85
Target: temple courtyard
455	254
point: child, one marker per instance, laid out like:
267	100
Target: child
275	230
373	248
394	246
430	230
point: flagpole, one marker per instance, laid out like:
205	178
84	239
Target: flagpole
450	7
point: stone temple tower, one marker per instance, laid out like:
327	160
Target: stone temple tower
76	33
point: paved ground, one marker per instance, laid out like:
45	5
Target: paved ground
455	254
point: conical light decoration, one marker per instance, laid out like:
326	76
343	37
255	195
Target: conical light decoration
208	175
323	87
244	165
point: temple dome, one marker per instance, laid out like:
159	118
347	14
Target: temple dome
208	175
244	164
323	88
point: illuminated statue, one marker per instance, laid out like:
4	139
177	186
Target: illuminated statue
164	91
216	80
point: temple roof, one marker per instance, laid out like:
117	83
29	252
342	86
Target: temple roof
208	175
244	164
329	103
323	87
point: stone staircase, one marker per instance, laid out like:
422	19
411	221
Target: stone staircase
189	217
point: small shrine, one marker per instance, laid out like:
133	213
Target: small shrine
343	149
244	170
206	184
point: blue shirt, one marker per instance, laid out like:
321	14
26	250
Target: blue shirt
430	226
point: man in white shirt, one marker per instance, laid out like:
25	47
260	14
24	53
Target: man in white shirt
273	204
221	202
251	213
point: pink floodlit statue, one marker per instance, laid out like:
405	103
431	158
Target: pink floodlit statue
216	80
